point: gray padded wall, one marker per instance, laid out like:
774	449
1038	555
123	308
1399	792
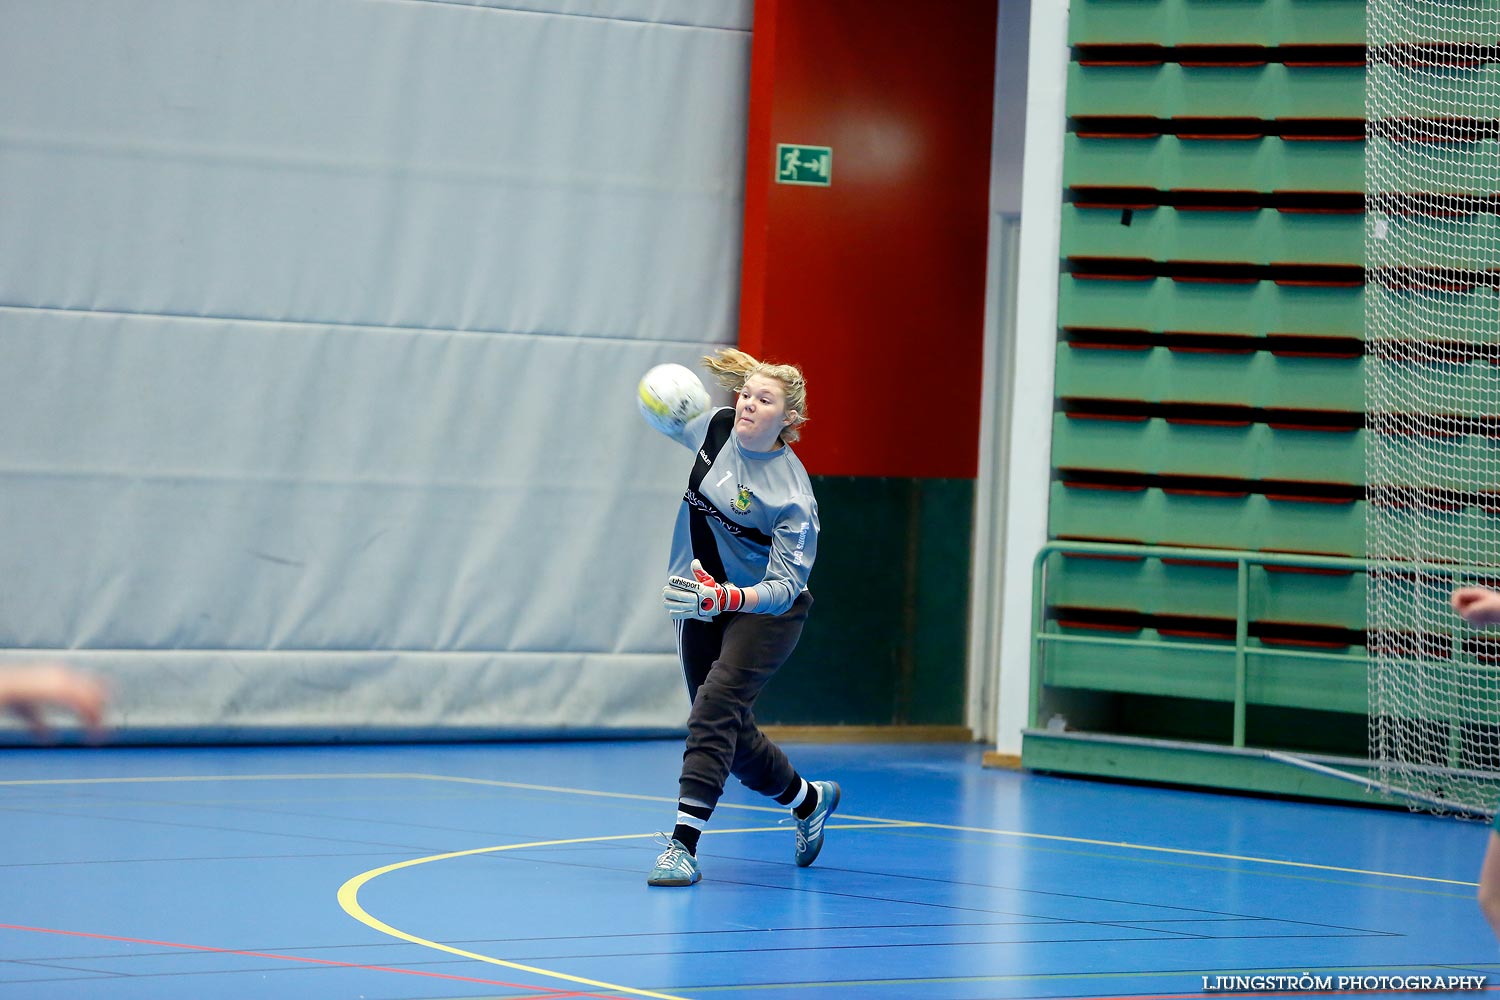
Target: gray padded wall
320	322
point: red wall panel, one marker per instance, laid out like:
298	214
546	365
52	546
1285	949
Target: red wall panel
875	284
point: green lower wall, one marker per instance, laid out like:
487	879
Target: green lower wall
888	634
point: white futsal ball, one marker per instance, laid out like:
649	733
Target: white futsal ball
669	396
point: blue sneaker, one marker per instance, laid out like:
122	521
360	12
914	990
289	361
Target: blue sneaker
675	866
810	830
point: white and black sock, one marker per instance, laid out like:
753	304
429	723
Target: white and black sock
692	817
801	796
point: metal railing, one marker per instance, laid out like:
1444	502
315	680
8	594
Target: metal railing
1241	650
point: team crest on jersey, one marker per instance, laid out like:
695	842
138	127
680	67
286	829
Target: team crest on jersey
741	503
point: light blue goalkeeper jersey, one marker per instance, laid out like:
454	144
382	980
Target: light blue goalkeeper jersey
748	516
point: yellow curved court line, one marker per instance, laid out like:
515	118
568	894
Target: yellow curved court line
349	900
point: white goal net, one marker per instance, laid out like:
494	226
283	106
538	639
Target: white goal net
1432	378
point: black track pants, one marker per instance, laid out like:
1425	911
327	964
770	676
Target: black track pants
726	662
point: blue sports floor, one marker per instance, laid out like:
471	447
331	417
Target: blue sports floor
518	871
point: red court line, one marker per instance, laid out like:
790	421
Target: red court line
548	991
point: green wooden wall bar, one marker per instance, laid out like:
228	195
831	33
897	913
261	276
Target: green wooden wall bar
1325	682
1271	91
1170	162
1258	379
1253	451
1153	516
1153	586
1162	304
1258	237
1260	22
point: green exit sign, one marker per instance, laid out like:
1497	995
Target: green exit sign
804	164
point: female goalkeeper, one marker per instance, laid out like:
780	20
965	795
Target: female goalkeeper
746	535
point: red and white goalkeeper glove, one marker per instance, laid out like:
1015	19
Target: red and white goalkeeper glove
702	597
